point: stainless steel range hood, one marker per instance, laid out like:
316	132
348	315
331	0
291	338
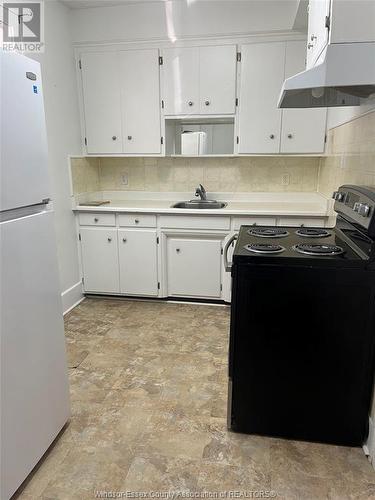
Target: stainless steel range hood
343	75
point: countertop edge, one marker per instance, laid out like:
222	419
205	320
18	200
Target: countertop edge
179	211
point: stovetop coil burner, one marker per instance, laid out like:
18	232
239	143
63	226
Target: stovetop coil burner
308	232
268	232
318	250
264	248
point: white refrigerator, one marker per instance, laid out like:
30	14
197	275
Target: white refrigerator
34	387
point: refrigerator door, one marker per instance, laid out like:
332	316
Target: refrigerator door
34	381
23	165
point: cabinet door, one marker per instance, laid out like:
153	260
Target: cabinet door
181	81
138	262
101	100
140	100
100	259
194	266
317	37
217	79
303	130
262	75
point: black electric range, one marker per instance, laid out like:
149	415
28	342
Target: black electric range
301	359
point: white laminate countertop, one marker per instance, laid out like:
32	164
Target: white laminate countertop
288	204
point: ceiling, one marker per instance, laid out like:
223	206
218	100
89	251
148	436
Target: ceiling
85	4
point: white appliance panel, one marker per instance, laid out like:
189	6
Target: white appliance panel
34	379
23	166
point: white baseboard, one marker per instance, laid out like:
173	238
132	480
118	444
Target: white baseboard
369	446
72	297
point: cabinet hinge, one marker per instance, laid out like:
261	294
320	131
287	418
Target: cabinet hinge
325	138
85	141
238	56
79	236
160	60
157	240
237	140
80	64
162	104
221	287
328	22
83	280
158	285
161	140
236	101
222	251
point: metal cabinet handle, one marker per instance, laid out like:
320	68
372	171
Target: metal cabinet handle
190	103
124	240
109	239
290	136
136	221
130	137
96	219
114	138
207	103
272	136
228	265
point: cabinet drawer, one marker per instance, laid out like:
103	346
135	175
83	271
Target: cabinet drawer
97	219
249	221
195	222
137	220
305	221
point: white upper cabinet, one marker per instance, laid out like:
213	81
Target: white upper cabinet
302	130
121	100
140	100
262	75
317	32
101	101
199	80
352	21
181	81
338	21
263	127
217	80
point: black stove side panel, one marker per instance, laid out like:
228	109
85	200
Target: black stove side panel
302	352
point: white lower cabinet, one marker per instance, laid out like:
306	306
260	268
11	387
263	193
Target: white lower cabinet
127	259
194	266
138	258
100	259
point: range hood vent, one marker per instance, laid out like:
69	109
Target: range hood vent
345	75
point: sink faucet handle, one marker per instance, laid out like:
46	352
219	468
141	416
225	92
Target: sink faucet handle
200	191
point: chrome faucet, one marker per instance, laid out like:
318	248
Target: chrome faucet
200	191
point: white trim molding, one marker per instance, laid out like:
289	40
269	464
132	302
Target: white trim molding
72	297
369	446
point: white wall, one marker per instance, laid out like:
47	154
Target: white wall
62	117
182	19
338	116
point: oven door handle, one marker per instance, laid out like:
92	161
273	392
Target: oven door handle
228	265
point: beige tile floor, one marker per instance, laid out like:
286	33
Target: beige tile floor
148	391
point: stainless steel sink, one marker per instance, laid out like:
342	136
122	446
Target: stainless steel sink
200	204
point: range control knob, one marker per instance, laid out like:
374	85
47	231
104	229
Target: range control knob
364	209
338	196
356	207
